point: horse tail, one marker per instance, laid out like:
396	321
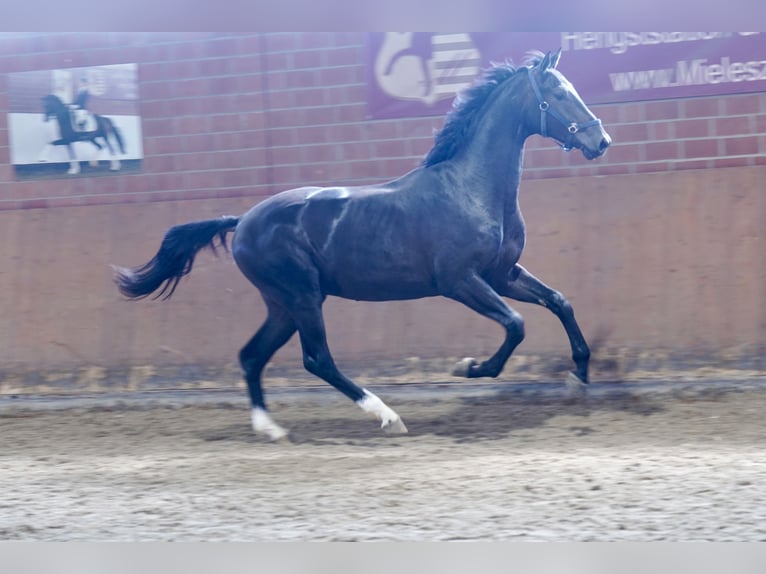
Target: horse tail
118	137
112	127
174	259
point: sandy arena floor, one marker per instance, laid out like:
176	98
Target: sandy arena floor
681	461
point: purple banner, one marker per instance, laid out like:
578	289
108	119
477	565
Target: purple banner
418	74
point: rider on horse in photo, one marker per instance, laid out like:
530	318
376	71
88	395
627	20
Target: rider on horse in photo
80	105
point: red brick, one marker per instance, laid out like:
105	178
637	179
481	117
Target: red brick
221	47
388	149
379	130
285	155
632	112
282	137
741	145
700	148
629	132
319	153
662	130
307	59
661	151
651	167
348	56
250	64
609	114
339	75
607	169
188	51
733	162
285	175
303	79
354	151
280	42
700	107
742	104
737	125
278	62
662	110
309	98
694	128
625	153
349	112
692	164
249	83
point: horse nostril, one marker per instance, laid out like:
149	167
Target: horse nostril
605	143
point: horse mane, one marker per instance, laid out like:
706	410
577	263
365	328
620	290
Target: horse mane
52	99
468	105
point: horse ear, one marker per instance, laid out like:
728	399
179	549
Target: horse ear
546	62
555	58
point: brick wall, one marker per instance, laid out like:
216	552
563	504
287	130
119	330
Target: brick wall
659	266
233	115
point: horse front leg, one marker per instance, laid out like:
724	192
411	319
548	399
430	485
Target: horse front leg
477	294
74	165
521	285
94	159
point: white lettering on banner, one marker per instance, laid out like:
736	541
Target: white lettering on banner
620	42
690	73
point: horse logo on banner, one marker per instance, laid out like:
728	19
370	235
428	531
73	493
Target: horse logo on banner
426	67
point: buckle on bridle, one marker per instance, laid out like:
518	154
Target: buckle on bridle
573	129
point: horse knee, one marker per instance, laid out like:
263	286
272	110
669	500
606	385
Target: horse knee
560	305
514	326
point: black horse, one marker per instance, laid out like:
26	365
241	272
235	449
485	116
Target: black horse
53	107
451	227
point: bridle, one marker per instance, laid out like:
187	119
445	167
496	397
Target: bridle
545	108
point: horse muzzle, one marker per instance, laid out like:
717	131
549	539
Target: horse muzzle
599	149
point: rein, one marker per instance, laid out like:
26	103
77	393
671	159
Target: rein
545	108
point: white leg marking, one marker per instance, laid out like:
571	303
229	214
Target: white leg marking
74	167
576	388
390	421
264	424
114	165
463	367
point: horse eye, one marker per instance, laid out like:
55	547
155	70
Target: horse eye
559	92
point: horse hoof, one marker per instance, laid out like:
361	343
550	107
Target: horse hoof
463	368
576	387
395	426
264	425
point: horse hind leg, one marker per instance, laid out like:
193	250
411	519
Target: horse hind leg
114	163
273	334
318	361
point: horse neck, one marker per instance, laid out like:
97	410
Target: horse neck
495	154
62	115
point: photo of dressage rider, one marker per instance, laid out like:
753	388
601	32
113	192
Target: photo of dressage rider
80	104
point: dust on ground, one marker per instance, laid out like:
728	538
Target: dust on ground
481	462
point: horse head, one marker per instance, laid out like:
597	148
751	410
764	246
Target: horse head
559	111
52	106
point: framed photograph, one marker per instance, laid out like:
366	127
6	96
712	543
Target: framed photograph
66	122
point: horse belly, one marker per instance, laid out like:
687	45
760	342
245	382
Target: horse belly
375	275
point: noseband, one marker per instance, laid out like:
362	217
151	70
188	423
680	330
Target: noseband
545	108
